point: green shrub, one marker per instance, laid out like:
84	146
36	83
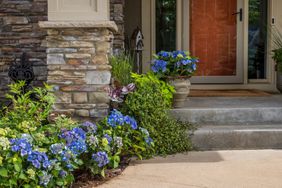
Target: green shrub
150	104
122	68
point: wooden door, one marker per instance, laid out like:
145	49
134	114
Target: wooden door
213	37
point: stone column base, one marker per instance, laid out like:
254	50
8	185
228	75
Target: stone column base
78	66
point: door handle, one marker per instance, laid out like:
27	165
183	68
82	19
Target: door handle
240	14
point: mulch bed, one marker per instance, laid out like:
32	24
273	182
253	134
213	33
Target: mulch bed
86	180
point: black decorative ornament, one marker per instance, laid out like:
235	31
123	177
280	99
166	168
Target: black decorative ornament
22	71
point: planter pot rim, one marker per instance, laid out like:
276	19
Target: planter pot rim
177	77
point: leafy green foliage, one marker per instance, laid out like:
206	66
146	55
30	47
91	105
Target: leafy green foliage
150	104
36	153
277	53
278	58
122	66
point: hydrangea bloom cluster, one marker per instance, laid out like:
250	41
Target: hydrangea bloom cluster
117	118
101	158
45	178
130	121
90	127
92	140
21	145
174	64
57	148
75	140
148	139
109	138
4	143
159	66
118	142
39	159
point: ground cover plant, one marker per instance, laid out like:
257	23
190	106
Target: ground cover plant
36	153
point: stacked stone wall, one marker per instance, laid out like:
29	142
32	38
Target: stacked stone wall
19	32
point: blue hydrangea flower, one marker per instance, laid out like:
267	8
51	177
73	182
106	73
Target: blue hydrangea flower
77	147
175	54
194	67
186	61
109	138
159	66
39	159
90	127
73	135
57	148
149	140
115	118
131	121
164	54
66	156
144	131
101	158
45	178
63	173
75	140
21	145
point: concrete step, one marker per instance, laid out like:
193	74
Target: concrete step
238	137
230	115
231	110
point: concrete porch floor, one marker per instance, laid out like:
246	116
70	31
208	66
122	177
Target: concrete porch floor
234	102
216	169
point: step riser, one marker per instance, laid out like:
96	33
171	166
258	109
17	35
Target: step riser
221	116
237	139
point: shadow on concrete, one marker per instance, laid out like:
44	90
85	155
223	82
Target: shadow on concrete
191	157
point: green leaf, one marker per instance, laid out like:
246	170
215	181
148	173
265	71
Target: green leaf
3	172
23	176
17	167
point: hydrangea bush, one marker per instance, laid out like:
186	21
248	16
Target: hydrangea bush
174	64
35	153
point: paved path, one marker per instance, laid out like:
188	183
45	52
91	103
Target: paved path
222	169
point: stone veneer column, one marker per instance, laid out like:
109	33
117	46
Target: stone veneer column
78	67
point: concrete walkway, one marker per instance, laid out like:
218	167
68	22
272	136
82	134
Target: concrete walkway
216	169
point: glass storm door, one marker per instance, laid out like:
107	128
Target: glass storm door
216	38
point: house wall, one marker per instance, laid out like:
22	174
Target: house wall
19	32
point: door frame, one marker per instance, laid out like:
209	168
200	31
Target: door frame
183	41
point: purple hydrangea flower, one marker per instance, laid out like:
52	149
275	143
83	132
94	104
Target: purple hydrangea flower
57	148
90	127
101	158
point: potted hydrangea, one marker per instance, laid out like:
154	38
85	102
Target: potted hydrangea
176	67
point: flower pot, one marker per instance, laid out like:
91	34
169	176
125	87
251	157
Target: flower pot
182	87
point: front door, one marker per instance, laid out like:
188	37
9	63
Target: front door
216	29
